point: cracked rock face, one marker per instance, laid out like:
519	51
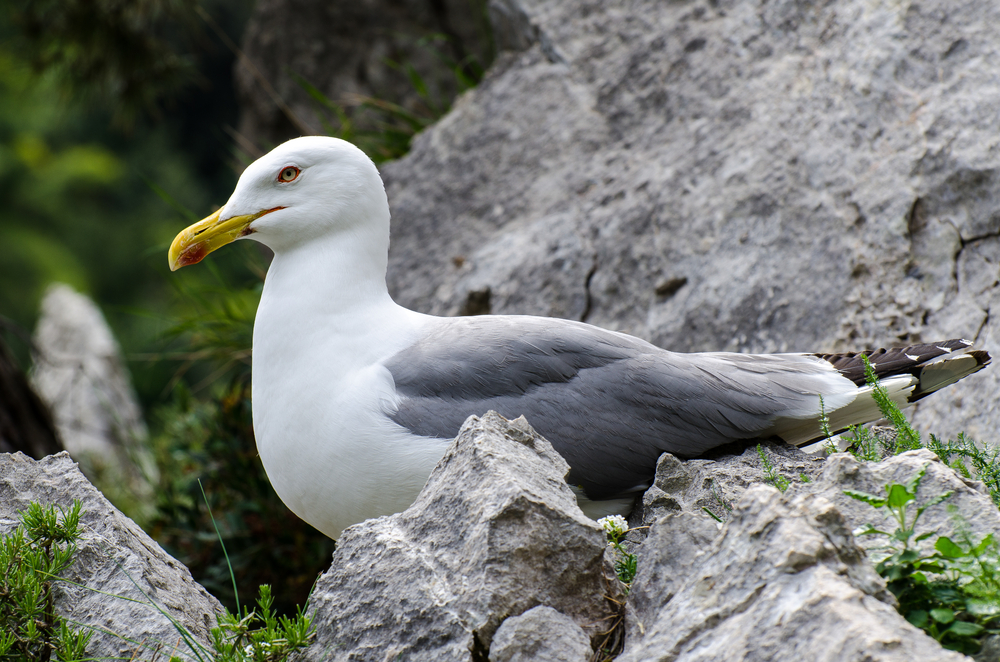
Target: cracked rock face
495	532
783	580
739	176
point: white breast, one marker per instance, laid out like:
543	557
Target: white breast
320	398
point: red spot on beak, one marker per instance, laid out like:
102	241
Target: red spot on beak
192	255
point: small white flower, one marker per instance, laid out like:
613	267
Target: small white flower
614	525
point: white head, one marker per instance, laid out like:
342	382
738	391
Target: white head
302	191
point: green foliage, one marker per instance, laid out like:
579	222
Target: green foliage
770	475
866	445
129	55
953	594
615	527
972	460
964	455
727	508
907	439
260	635
42	547
32	557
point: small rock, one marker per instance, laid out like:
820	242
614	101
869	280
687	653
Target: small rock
495	532
541	633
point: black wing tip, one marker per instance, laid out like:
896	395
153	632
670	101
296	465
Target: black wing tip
902	360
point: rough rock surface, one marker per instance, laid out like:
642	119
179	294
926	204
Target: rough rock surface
495	532
783	580
344	49
698	485
80	374
749	176
690	487
541	633
115	558
979	516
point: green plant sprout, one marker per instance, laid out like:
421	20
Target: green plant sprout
907	439
770	474
952	594
824	428
971	460
615	527
726	507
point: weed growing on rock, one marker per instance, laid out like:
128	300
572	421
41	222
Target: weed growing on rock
615	527
952	594
32	558
971	460
260	635
34	555
770	474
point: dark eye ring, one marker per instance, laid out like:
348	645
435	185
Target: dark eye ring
288	173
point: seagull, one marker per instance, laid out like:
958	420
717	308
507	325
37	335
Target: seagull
356	398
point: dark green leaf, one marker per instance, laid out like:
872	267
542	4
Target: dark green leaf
917	617
965	629
899	496
948	548
942	615
870	499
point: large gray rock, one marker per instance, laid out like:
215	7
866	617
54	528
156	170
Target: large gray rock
495	532
749	176
541	633
122	585
784	580
79	372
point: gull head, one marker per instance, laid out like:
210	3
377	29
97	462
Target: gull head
303	190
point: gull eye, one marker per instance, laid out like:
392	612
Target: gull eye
288	173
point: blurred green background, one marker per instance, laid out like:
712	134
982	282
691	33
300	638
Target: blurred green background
116	125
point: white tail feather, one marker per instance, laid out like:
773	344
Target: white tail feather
862	409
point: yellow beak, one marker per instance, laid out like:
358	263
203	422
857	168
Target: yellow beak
208	234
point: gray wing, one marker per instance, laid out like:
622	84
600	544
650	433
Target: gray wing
609	403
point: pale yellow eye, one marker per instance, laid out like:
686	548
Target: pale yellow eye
288	173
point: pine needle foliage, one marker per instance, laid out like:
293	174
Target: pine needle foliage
32	558
260	635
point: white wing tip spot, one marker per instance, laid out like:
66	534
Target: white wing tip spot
944	349
913	357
